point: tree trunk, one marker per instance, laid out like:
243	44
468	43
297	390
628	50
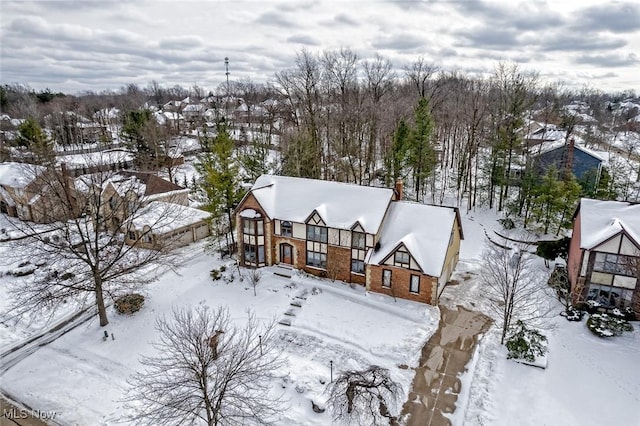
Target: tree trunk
102	311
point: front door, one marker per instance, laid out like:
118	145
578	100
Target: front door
286	253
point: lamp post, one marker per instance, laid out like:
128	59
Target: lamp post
331	369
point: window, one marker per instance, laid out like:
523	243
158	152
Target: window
253	227
358	240
253	255
147	238
317	233
618	264
113	203
317	259
414	284
286	229
610	297
386	278
357	266
401	258
131	235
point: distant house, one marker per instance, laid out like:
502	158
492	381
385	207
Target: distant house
137	188
27	191
604	255
353	233
585	164
164	225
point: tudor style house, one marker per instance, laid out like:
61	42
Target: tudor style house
353	233
32	193
604	254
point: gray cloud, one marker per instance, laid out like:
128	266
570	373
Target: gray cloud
275	19
303	39
611	60
572	42
180	42
400	41
488	37
613	17
343	18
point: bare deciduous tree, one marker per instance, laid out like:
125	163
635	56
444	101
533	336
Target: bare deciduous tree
83	248
514	287
208	370
364	396
254	276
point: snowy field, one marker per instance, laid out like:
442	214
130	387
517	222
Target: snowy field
83	378
588	381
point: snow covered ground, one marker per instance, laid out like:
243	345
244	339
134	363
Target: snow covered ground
588	381
83	378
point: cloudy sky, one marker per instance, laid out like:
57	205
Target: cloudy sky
94	45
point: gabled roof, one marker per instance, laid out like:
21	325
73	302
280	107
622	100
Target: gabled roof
424	230
562	145
340	205
601	220
143	184
18	175
163	217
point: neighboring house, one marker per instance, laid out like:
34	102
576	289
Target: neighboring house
131	190
604	255
585	164
162	225
26	192
353	233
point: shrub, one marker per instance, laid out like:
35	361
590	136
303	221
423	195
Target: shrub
129	303
507	223
573	314
215	274
603	325
526	344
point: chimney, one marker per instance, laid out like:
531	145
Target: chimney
399	190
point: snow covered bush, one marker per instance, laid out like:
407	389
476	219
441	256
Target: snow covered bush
129	303
573	314
526	344
603	325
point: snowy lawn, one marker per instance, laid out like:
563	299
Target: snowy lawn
83	377
588	380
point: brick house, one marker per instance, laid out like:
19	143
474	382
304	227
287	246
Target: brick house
353	233
604	254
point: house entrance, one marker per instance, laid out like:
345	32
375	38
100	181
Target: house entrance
286	254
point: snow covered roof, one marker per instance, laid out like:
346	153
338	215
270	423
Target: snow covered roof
600	220
561	144
18	175
340	205
424	230
163	217
141	183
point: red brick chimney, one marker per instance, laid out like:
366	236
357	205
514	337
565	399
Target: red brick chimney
399	189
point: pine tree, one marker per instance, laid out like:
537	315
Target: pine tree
31	136
220	180
397	155
421	154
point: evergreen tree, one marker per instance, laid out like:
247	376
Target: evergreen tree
220	180
135	125
32	137
421	157
554	200
397	155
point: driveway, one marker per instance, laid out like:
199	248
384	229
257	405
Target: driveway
436	385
